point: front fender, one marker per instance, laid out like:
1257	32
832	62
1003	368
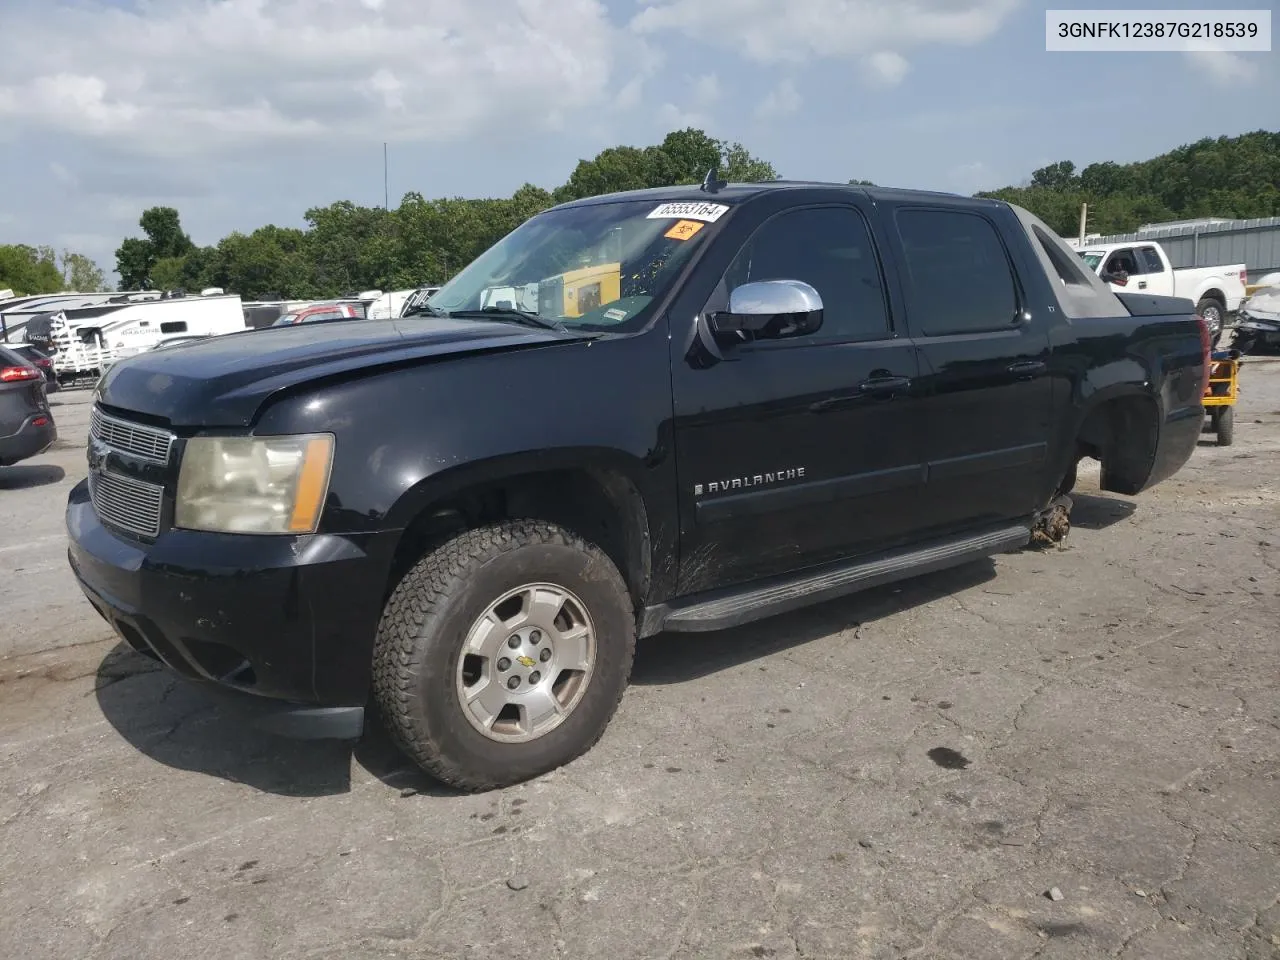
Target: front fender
408	437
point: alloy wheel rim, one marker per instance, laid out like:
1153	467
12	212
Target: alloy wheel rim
526	663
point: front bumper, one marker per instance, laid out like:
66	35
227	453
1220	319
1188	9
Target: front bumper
285	625
31	439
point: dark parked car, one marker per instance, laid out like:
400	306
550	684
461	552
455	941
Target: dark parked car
676	409
26	422
40	360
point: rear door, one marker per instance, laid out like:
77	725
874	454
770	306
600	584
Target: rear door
1154	276
794	452
986	395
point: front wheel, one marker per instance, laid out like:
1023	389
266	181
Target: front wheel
503	654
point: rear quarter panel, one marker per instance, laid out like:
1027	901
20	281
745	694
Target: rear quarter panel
1149	349
1156	357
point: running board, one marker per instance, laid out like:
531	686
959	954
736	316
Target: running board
720	609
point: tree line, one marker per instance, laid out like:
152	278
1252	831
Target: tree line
345	247
28	271
1230	177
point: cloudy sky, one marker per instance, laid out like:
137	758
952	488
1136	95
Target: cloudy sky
244	112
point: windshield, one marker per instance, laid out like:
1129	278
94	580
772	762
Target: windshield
1091	260
285	320
595	267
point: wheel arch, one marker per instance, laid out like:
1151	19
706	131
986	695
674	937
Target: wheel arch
1120	427
1213	293
597	494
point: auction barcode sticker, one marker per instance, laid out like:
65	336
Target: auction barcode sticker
690	210
1158	31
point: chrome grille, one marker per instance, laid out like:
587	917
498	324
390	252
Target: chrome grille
148	443
127	503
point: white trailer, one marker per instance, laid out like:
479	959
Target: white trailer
389	304
85	346
15	316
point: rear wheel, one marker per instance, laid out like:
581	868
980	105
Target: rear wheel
1226	422
503	654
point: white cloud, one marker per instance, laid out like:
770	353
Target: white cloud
704	93
187	76
884	68
631	94
769	31
784	99
971	177
706	90
1224	69
672	117
63	175
100	247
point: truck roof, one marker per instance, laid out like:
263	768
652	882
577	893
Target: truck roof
1108	247
745	191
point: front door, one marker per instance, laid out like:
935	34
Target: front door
794	452
986	394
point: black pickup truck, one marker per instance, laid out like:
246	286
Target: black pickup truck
665	410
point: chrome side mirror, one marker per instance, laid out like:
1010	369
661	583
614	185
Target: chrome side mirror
769	310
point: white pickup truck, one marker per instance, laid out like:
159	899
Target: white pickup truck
1144	266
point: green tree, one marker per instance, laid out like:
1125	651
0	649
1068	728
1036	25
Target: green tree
741	167
164	232
134	261
271	261
688	154
683	157
29	270
167	273
136	258
1056	176
1222	177
81	274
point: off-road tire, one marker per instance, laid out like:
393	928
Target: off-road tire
1225	422
426	619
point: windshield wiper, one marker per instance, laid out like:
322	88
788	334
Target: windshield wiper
426	308
510	313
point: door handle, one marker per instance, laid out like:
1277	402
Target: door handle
1142	284
1028	369
884	386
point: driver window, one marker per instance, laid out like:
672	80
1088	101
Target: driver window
1122	260
830	249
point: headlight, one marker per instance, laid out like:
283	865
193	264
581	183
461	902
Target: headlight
254	484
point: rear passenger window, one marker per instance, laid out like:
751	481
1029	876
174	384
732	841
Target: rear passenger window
960	278
1069	269
830	249
1151	260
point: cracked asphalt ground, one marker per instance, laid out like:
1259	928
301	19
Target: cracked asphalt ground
900	774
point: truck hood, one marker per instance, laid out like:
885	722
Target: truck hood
224	381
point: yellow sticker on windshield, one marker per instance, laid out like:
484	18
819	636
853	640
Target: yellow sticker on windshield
684	229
